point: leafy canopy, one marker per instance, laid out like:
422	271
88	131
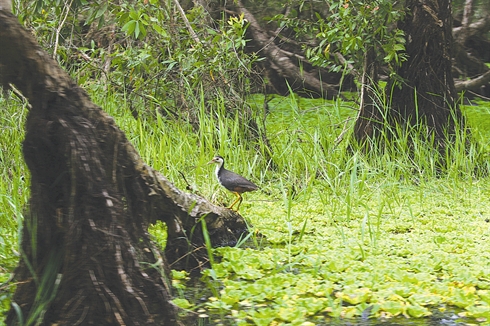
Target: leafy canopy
349	28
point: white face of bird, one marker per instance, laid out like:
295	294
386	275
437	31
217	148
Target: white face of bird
217	160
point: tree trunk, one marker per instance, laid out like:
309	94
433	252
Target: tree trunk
86	256
370	119
427	95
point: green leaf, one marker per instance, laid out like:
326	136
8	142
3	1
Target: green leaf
356	296
393	307
142	30
418	311
134	15
137	29
399	47
102	9
182	303
129	27
157	28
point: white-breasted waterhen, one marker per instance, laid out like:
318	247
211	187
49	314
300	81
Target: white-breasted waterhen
232	181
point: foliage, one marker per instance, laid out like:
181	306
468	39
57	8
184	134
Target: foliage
348	234
145	51
363	235
349	27
399	252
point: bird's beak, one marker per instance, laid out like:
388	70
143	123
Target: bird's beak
210	162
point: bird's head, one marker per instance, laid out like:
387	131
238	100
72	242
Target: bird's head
217	160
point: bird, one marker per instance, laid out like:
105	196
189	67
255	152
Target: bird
232	181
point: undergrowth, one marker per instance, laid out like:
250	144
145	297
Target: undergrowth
13	192
349	233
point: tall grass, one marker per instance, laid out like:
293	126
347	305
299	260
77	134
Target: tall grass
14	191
304	149
14	182
308	164
308	161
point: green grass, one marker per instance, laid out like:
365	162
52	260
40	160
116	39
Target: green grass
386	234
14	192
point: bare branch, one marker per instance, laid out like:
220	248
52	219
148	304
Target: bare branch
462	33
186	22
473	84
64	13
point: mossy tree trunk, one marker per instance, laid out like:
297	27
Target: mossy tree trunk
86	255
423	94
427	95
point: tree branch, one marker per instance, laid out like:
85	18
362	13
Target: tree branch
282	61
462	33
473	84
186	21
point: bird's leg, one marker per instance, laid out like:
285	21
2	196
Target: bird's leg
239	203
237	200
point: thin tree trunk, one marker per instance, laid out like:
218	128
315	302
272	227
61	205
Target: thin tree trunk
468	11
370	117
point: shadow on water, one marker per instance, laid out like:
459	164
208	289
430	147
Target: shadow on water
438	318
447	317
443	315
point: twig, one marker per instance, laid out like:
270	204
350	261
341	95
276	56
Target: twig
189	186
340	137
186	22
60	26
